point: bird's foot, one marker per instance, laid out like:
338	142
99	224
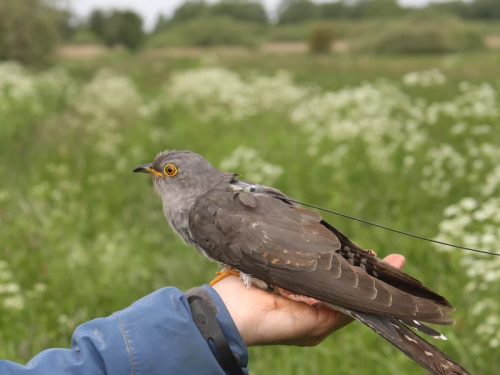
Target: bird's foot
295	297
223	274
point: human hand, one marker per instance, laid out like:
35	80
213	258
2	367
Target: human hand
264	318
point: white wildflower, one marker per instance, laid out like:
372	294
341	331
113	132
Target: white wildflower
225	95
251	165
481	129
15	302
40	287
459	128
494	342
108	92
452	210
468	204
5	274
426	78
9	288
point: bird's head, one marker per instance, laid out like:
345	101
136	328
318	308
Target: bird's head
183	175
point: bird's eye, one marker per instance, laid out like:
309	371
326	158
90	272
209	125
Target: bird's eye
170	170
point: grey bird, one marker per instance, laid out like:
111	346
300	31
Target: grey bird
278	245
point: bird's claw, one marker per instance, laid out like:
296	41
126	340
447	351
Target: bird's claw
223	274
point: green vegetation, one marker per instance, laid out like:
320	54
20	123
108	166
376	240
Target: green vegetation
363	26
84	36
28	31
240	10
403	129
321	39
296	11
369	26
208	32
425	34
422	33
289	33
397	140
118	27
477	9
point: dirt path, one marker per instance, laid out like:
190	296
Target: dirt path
81	51
91	51
493	41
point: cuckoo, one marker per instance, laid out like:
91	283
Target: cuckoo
273	243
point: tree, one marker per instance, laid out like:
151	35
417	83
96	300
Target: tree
334	10
118	27
381	8
485	9
321	38
97	20
296	11
130	34
162	24
243	10
189	10
374	8
67	24
29	31
454	7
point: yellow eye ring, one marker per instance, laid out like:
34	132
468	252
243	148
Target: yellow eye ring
170	170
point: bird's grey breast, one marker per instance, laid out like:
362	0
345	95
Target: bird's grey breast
178	219
176	205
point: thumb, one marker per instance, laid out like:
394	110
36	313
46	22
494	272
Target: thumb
395	260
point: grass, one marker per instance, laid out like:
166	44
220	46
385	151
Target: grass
77	221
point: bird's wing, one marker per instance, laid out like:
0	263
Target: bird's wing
354	253
292	248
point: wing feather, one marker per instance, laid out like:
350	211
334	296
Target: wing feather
268	238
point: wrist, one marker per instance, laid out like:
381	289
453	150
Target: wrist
229	329
246	322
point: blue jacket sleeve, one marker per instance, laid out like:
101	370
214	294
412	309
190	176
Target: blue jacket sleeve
156	335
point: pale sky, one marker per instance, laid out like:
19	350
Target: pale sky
150	9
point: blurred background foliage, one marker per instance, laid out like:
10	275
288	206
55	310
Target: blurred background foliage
32	29
381	111
425	33
321	38
209	32
117	27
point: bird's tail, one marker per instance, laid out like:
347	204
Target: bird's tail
416	348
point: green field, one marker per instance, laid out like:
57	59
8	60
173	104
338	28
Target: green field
408	142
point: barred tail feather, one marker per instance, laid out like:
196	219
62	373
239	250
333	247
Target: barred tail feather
416	348
419	326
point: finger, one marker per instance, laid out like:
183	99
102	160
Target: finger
334	319
395	260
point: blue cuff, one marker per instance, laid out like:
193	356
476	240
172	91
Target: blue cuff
229	329
167	341
154	336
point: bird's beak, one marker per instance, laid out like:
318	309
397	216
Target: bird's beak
148	168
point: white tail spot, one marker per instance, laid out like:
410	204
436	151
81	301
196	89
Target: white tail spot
410	339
